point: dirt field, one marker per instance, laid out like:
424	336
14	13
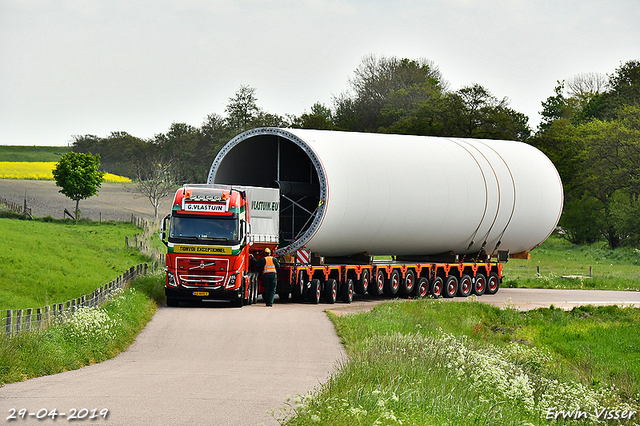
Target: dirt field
112	201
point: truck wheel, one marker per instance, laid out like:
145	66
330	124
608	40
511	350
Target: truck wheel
493	283
245	287
330	291
408	283
421	288
450	287
479	285
314	292
249	282
363	283
254	288
172	302
464	286
283	295
436	288
376	287
347	291
393	283
297	292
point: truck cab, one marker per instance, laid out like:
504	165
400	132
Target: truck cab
209	239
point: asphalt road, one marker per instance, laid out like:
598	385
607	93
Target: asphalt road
227	366
214	365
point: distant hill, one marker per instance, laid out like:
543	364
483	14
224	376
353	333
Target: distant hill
32	153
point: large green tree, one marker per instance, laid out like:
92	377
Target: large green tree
78	176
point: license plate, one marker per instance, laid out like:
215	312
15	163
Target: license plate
200	293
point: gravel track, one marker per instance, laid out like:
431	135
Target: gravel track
113	202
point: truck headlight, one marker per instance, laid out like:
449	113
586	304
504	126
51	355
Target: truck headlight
171	280
232	281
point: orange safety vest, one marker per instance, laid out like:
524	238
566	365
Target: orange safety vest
269	266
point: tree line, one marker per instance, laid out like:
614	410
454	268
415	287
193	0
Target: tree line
590	129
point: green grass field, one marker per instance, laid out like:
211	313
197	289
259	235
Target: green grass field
564	265
32	153
52	262
428	362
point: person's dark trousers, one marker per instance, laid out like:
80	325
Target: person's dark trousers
269	281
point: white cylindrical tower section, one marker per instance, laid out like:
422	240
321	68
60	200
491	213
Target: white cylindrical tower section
398	194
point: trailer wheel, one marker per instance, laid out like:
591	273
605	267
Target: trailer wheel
347	291
376	287
421	289
450	287
408	283
330	291
297	292
436	288
479	285
363	283
493	283
464	286
314	291
393	283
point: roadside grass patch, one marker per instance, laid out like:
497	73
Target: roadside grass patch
428	362
51	262
564	265
92	335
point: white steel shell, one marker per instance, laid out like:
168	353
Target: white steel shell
410	195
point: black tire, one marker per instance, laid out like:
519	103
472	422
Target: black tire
493	283
464	285
347	290
392	285
172	302
314	291
479	284
435	290
421	289
256	288
297	290
408	283
376	287
362	284
330	291
249	281
245	285
450	287
283	294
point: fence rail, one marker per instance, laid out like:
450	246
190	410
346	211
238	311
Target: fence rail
15	207
17	321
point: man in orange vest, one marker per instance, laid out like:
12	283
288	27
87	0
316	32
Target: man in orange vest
268	265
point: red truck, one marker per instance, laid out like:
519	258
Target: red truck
213	229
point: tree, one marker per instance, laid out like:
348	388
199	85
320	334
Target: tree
156	179
78	175
385	90
242	109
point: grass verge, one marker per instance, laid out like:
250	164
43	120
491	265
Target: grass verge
52	262
426	362
564	265
90	336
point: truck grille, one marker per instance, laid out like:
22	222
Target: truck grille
201	272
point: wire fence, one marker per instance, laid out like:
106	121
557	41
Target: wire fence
17	321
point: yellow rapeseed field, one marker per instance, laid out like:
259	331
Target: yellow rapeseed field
41	171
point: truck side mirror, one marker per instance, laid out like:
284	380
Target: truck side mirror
163	232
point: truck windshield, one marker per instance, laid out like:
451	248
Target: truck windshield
204	229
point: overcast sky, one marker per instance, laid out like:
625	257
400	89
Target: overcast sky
75	67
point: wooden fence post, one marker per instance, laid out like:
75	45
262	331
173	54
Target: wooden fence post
8	325
18	321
